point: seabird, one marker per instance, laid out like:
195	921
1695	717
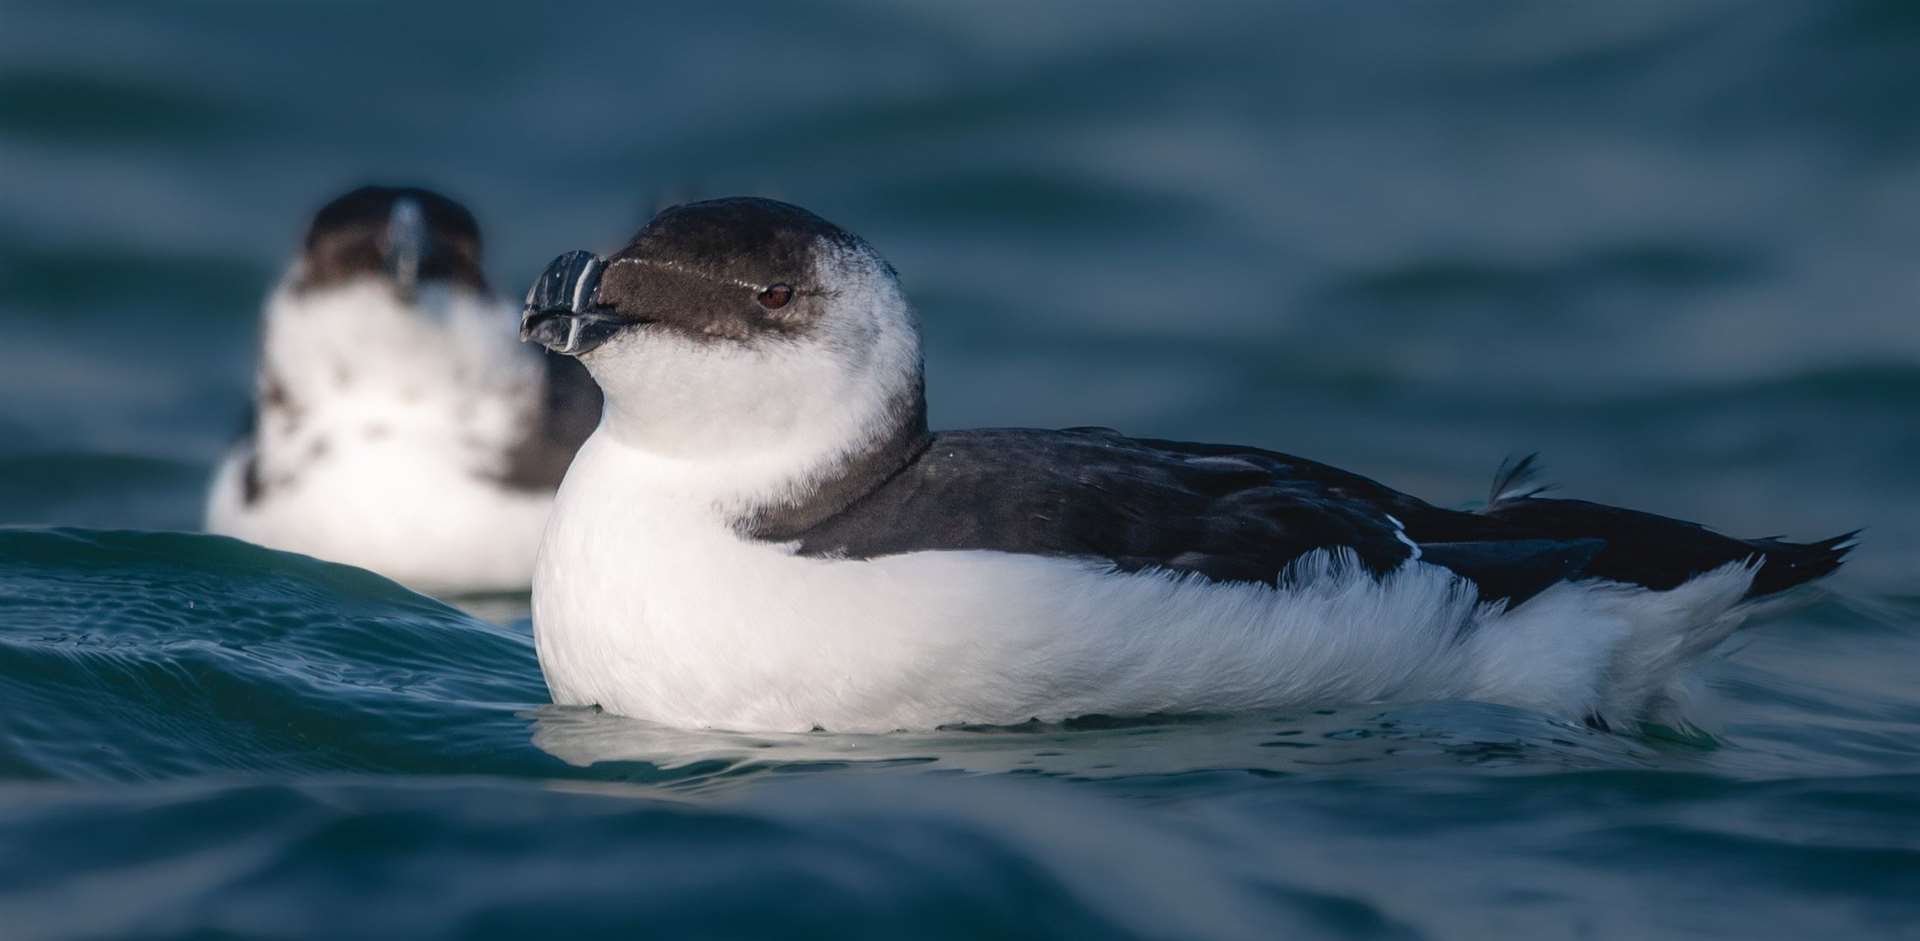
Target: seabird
398	424
762	534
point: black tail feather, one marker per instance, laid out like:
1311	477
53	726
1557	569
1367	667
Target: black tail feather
1660	552
1787	564
1642	548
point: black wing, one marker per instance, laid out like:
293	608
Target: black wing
1224	513
1232	513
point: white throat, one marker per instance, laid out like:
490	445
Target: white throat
745	423
444	371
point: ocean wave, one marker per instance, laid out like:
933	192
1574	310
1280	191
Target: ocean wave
138	655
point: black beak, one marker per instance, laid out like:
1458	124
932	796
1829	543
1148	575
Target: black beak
407	245
560	312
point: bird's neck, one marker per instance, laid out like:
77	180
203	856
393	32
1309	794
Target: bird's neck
785	488
842	481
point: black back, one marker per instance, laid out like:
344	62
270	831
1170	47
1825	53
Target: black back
1240	514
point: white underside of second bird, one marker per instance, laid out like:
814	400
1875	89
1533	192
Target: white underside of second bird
408	515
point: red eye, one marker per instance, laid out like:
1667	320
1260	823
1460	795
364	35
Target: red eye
775	297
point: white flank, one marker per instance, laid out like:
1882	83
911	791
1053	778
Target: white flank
647	604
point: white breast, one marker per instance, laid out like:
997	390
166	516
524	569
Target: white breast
649	605
402	421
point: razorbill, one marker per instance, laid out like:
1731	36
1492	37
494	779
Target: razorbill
398	423
763	535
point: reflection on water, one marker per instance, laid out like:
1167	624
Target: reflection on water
1363	738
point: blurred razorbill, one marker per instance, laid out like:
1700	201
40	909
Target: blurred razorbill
398	425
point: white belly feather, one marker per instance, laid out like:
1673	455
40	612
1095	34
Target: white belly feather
410	514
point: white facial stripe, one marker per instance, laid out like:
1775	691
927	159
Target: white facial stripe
683	269
578	301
